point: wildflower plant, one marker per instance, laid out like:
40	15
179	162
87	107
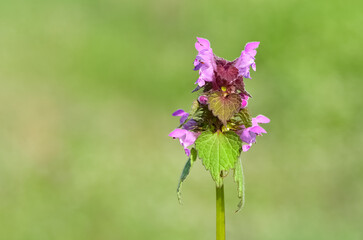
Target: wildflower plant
219	126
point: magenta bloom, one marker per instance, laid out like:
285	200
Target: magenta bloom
186	138
212	68
248	135
182	114
204	62
247	59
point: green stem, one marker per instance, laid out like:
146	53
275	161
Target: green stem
220	226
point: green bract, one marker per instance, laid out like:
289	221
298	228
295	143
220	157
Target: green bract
238	178
219	152
224	107
186	170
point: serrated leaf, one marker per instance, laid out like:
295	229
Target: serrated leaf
242	118
219	152
224	107
185	172
239	179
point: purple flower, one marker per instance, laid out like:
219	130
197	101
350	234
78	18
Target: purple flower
247	59
189	125
186	138
248	135
204	62
182	114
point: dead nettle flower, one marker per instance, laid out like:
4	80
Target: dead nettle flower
219	121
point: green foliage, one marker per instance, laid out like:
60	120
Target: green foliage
243	117
239	179
185	172
224	107
219	152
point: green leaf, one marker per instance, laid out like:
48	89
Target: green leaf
219	152
224	107
185	172
241	118
239	179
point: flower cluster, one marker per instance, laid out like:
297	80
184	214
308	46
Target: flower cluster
223	99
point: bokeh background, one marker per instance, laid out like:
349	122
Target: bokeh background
86	95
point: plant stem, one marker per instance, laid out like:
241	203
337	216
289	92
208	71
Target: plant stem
220	216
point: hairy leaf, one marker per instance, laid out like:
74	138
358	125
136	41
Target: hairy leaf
185	172
241	118
219	152
224	107
239	179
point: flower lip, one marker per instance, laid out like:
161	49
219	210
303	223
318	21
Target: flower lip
182	114
186	138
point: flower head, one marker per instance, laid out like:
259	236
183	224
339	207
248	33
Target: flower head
219	126
212	68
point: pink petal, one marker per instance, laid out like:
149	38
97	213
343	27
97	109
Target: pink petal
187	152
245	148
250	48
177	133
254	66
262	119
247	136
201	44
257	130
200	82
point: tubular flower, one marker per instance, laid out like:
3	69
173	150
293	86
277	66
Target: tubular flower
182	114
204	62
247	59
186	138
248	135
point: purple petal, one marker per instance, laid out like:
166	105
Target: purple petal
258	130
201	44
190	125
262	119
187	152
183	118
198	66
254	66
177	133
247	136
250	48
189	139
200	82
179	112
245	148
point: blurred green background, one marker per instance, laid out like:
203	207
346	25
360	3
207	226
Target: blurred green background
86	96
